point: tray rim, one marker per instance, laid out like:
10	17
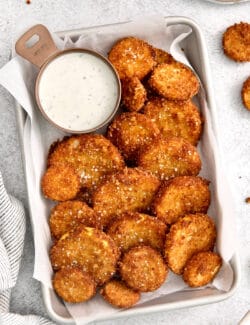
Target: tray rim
235	262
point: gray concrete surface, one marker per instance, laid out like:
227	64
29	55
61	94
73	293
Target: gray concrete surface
234	132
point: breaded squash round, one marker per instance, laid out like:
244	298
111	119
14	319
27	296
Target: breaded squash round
201	269
88	248
236	42
162	56
169	157
134	94
174	81
92	156
179	196
66	216
60	183
73	285
118	294
179	119
133	229
143	269
132	57
189	235
129	190
245	93
131	131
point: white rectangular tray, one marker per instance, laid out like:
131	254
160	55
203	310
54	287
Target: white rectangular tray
195	49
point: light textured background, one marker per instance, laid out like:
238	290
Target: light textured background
234	131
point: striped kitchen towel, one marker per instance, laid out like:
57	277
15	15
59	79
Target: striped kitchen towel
12	231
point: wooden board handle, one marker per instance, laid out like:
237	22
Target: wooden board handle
36	45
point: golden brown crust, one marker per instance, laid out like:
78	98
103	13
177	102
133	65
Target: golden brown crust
170	157
162	56
84	196
236	42
88	248
92	156
179	119
245	93
66	216
60	183
130	132
73	285
189	235
201	269
143	269
132	57
118	294
150	92
174	81
133	229
129	190
134	94
179	196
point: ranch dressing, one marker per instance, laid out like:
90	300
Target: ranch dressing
78	91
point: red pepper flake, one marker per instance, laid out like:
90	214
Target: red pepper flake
247	200
28	2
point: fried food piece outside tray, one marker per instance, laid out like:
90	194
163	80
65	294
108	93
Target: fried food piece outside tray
245	93
129	190
189	235
88	248
60	182
134	94
132	57
133	229
130	131
174	81
92	156
74	285
143	269
179	119
118	294
179	196
169	157
201	268
68	215
236	42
